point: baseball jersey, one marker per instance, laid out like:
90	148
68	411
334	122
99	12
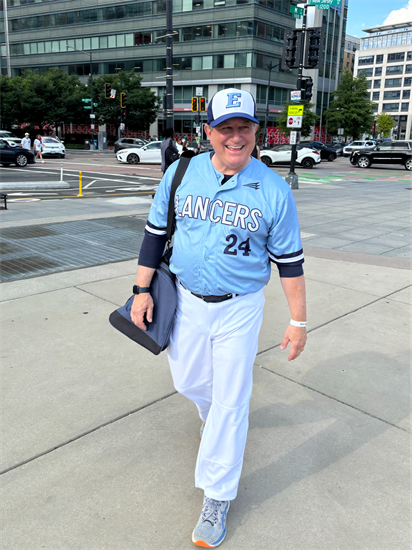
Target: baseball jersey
226	235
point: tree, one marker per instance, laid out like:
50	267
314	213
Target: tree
309	119
141	103
385	124
351	108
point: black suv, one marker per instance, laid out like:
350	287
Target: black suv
15	155
326	153
126	143
388	152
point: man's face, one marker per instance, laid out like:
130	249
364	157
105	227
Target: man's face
233	142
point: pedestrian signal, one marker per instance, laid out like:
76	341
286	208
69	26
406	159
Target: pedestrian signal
202	104
107	90
195	104
123	100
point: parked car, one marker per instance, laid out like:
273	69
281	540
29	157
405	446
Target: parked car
126	143
204	146
14	154
149	153
358	145
326	153
53	147
281	154
392	152
10	138
339	148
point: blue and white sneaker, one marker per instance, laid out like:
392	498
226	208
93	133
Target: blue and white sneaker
210	530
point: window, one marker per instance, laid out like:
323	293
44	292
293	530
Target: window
378	71
395	69
375	96
347	63
406	94
393	82
367	60
366	72
405	106
349	45
409	56
379	59
390	107
376	83
394	57
392	95
408	68
407	81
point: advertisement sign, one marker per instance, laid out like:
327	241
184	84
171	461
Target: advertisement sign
295	96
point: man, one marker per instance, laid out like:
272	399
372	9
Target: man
233	217
168	137
26	141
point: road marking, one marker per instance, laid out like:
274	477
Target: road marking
89	184
91	172
112	165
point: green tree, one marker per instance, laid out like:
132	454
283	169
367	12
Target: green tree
309	119
10	101
351	108
141	103
385	124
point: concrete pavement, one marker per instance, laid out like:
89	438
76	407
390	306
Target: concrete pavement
99	450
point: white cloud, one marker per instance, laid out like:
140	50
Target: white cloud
403	15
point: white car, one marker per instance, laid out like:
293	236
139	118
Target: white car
149	153
369	144
53	146
10	138
281	154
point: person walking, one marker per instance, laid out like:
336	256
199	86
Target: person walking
187	152
234	217
168	143
26	141
38	148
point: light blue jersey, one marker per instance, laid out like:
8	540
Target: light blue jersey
226	235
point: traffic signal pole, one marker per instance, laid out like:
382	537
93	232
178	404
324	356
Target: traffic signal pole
169	64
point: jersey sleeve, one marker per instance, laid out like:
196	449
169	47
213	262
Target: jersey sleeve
157	220
284	243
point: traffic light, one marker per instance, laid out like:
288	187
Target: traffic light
306	89
314	48
107	90
292	47
202	104
123	100
195	104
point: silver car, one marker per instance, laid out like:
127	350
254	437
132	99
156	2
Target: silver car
367	144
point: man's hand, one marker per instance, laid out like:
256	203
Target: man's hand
142	304
297	338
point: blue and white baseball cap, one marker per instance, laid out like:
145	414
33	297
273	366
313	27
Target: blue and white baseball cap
230	103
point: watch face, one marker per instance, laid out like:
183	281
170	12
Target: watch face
135	289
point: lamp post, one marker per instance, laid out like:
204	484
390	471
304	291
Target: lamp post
91	91
121	112
270	68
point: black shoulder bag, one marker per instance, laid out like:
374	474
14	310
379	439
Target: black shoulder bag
162	289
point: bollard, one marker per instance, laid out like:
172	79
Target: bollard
61	172
80	185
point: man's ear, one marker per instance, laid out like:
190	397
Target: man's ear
208	130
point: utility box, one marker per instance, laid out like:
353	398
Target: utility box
102	140
86	144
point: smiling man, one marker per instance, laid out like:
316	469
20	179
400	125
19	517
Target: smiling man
234	217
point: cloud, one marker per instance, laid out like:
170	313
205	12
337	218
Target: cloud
363	24
403	15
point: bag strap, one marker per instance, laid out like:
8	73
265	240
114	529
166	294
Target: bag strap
180	172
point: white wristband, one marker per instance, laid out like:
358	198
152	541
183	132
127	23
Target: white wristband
298	323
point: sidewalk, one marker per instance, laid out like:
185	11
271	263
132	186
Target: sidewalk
99	450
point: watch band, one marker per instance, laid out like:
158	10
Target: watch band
140	289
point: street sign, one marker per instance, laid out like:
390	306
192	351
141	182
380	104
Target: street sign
122	126
292	139
295	96
324	4
92	126
92	116
113	93
296	12
341	131
95	104
198	130
294	122
199	90
295	110
86	100
87	107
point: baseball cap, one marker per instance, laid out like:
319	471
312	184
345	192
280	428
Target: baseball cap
230	103
27	134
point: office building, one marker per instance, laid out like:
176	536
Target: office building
352	44
385	56
218	44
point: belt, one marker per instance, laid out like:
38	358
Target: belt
211	299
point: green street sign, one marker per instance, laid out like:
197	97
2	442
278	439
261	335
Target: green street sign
86	100
324	4
95	104
296	12
87	107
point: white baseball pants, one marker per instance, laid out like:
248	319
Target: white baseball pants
211	354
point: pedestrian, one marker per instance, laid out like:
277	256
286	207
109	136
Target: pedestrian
187	152
38	148
168	143
234	216
26	141
256	152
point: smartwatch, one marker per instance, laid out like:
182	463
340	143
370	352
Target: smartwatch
140	289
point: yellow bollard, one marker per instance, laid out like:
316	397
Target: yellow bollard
80	185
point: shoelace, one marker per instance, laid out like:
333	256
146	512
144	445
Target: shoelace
210	511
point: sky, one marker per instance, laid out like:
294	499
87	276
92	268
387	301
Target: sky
364	14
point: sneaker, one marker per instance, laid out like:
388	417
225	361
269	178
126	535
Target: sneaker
210	530
202	427
42	161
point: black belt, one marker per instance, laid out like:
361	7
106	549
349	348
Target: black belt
211	299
